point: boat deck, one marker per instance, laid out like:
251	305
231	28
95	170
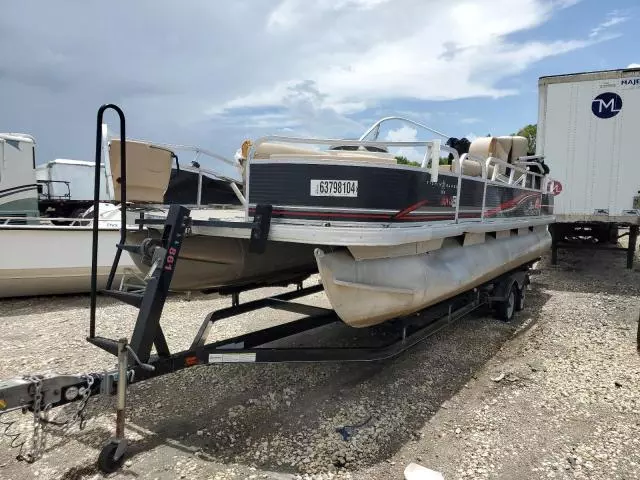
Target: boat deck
353	233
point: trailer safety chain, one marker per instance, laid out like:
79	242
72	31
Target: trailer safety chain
38	439
13	436
79	414
41	420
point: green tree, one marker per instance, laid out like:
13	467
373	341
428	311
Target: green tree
530	132
402	160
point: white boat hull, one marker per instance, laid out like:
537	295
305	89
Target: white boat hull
44	260
369	292
207	262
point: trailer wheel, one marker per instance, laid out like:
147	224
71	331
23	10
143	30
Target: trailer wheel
106	461
520	297
638	335
506	308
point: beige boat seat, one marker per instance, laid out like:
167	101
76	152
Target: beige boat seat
281	151
519	148
148	170
505	148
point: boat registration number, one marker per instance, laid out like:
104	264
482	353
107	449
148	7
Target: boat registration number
334	188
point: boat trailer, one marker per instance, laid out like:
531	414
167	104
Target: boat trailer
136	361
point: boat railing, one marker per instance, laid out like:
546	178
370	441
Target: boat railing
198	155
511	179
430	160
492	169
58	221
514	168
457	165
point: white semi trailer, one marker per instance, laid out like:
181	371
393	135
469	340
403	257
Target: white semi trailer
588	131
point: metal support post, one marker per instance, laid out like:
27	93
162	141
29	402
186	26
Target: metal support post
554	244
112	454
631	249
147	328
122	388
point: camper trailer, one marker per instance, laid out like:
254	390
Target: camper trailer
66	187
18	189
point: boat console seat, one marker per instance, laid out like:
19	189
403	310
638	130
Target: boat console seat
505	148
148	170
519	148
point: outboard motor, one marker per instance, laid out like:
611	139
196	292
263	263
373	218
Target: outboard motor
461	145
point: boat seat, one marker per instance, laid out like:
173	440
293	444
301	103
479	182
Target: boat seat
148	170
505	148
519	148
470	167
279	151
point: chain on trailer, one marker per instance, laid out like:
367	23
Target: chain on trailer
40	421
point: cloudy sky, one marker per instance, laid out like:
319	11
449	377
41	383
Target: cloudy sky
212	73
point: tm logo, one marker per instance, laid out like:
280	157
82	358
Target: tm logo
606	105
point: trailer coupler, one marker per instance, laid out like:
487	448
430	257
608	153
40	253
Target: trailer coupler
50	390
39	394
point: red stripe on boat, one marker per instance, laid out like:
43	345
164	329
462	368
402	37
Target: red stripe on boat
409	209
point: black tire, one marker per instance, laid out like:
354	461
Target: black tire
638	335
613	234
106	462
520	298
506	308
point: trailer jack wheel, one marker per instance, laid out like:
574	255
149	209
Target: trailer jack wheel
111	456
506	308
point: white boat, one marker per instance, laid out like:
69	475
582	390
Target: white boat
42	257
51	254
48	259
387	239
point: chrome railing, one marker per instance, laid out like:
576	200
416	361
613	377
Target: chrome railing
518	177
430	161
59	221
198	155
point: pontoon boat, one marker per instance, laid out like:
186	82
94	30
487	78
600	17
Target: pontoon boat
387	239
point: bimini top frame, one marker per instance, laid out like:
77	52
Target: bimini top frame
375	128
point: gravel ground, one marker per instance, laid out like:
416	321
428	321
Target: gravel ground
553	394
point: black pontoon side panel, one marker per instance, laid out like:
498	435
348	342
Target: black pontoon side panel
183	189
382	194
